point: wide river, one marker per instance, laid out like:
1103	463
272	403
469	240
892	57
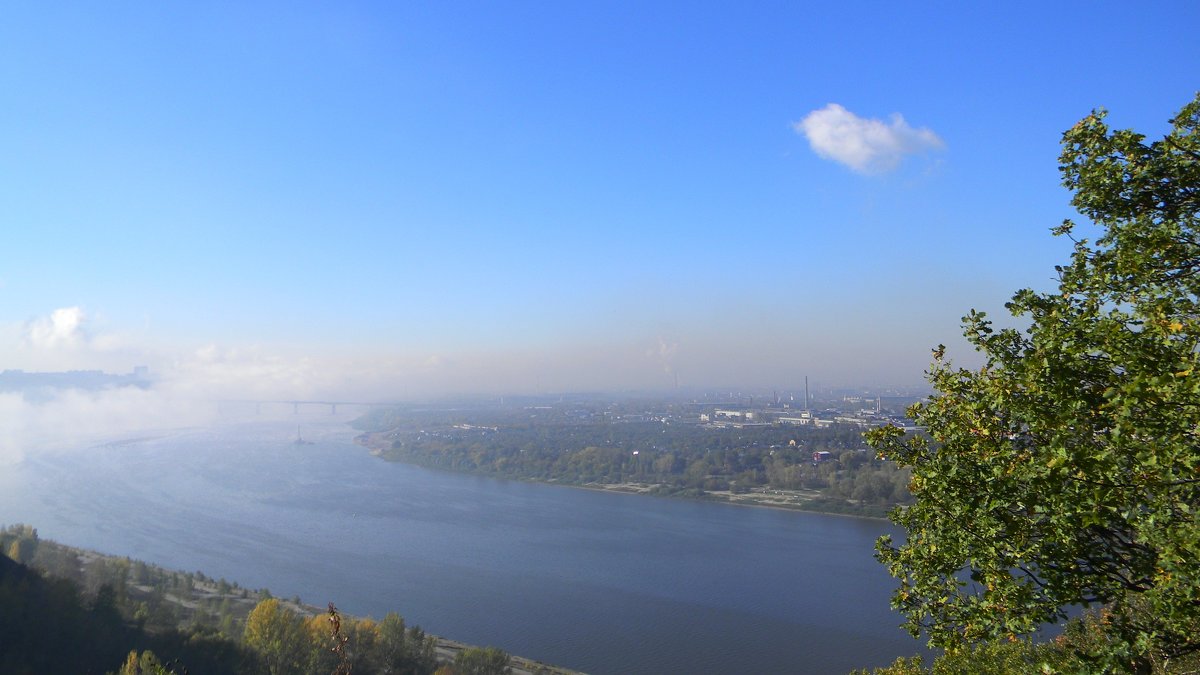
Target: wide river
600	582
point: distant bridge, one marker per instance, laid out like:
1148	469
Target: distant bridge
296	403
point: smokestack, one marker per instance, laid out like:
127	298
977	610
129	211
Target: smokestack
805	392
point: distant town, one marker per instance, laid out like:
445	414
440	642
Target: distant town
823	408
863	408
33	383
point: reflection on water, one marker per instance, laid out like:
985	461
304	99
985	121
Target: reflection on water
606	583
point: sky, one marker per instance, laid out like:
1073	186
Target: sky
398	201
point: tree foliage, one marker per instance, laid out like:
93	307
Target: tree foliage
19	542
1066	470
278	636
143	663
482	661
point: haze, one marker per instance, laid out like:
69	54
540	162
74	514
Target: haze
393	202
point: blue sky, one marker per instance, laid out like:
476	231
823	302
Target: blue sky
395	200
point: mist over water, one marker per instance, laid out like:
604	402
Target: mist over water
605	583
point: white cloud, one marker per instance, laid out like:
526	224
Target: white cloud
868	146
63	328
68	338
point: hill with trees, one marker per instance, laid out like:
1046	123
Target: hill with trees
67	610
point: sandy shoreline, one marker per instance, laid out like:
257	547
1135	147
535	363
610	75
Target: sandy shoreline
749	500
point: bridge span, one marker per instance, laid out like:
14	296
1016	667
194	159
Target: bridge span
295	404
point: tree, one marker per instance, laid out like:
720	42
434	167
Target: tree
1066	470
322	657
393	650
278	636
364	646
404	651
145	663
19	542
482	661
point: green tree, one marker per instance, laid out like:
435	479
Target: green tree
404	651
482	661
322	657
364	646
393	649
1066	470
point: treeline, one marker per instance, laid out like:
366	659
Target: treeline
685	459
71	611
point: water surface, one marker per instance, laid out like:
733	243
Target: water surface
601	582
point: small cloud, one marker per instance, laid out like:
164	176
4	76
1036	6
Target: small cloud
868	146
63	328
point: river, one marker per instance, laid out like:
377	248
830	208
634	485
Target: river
600	582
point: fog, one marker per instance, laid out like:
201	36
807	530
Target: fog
749	351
